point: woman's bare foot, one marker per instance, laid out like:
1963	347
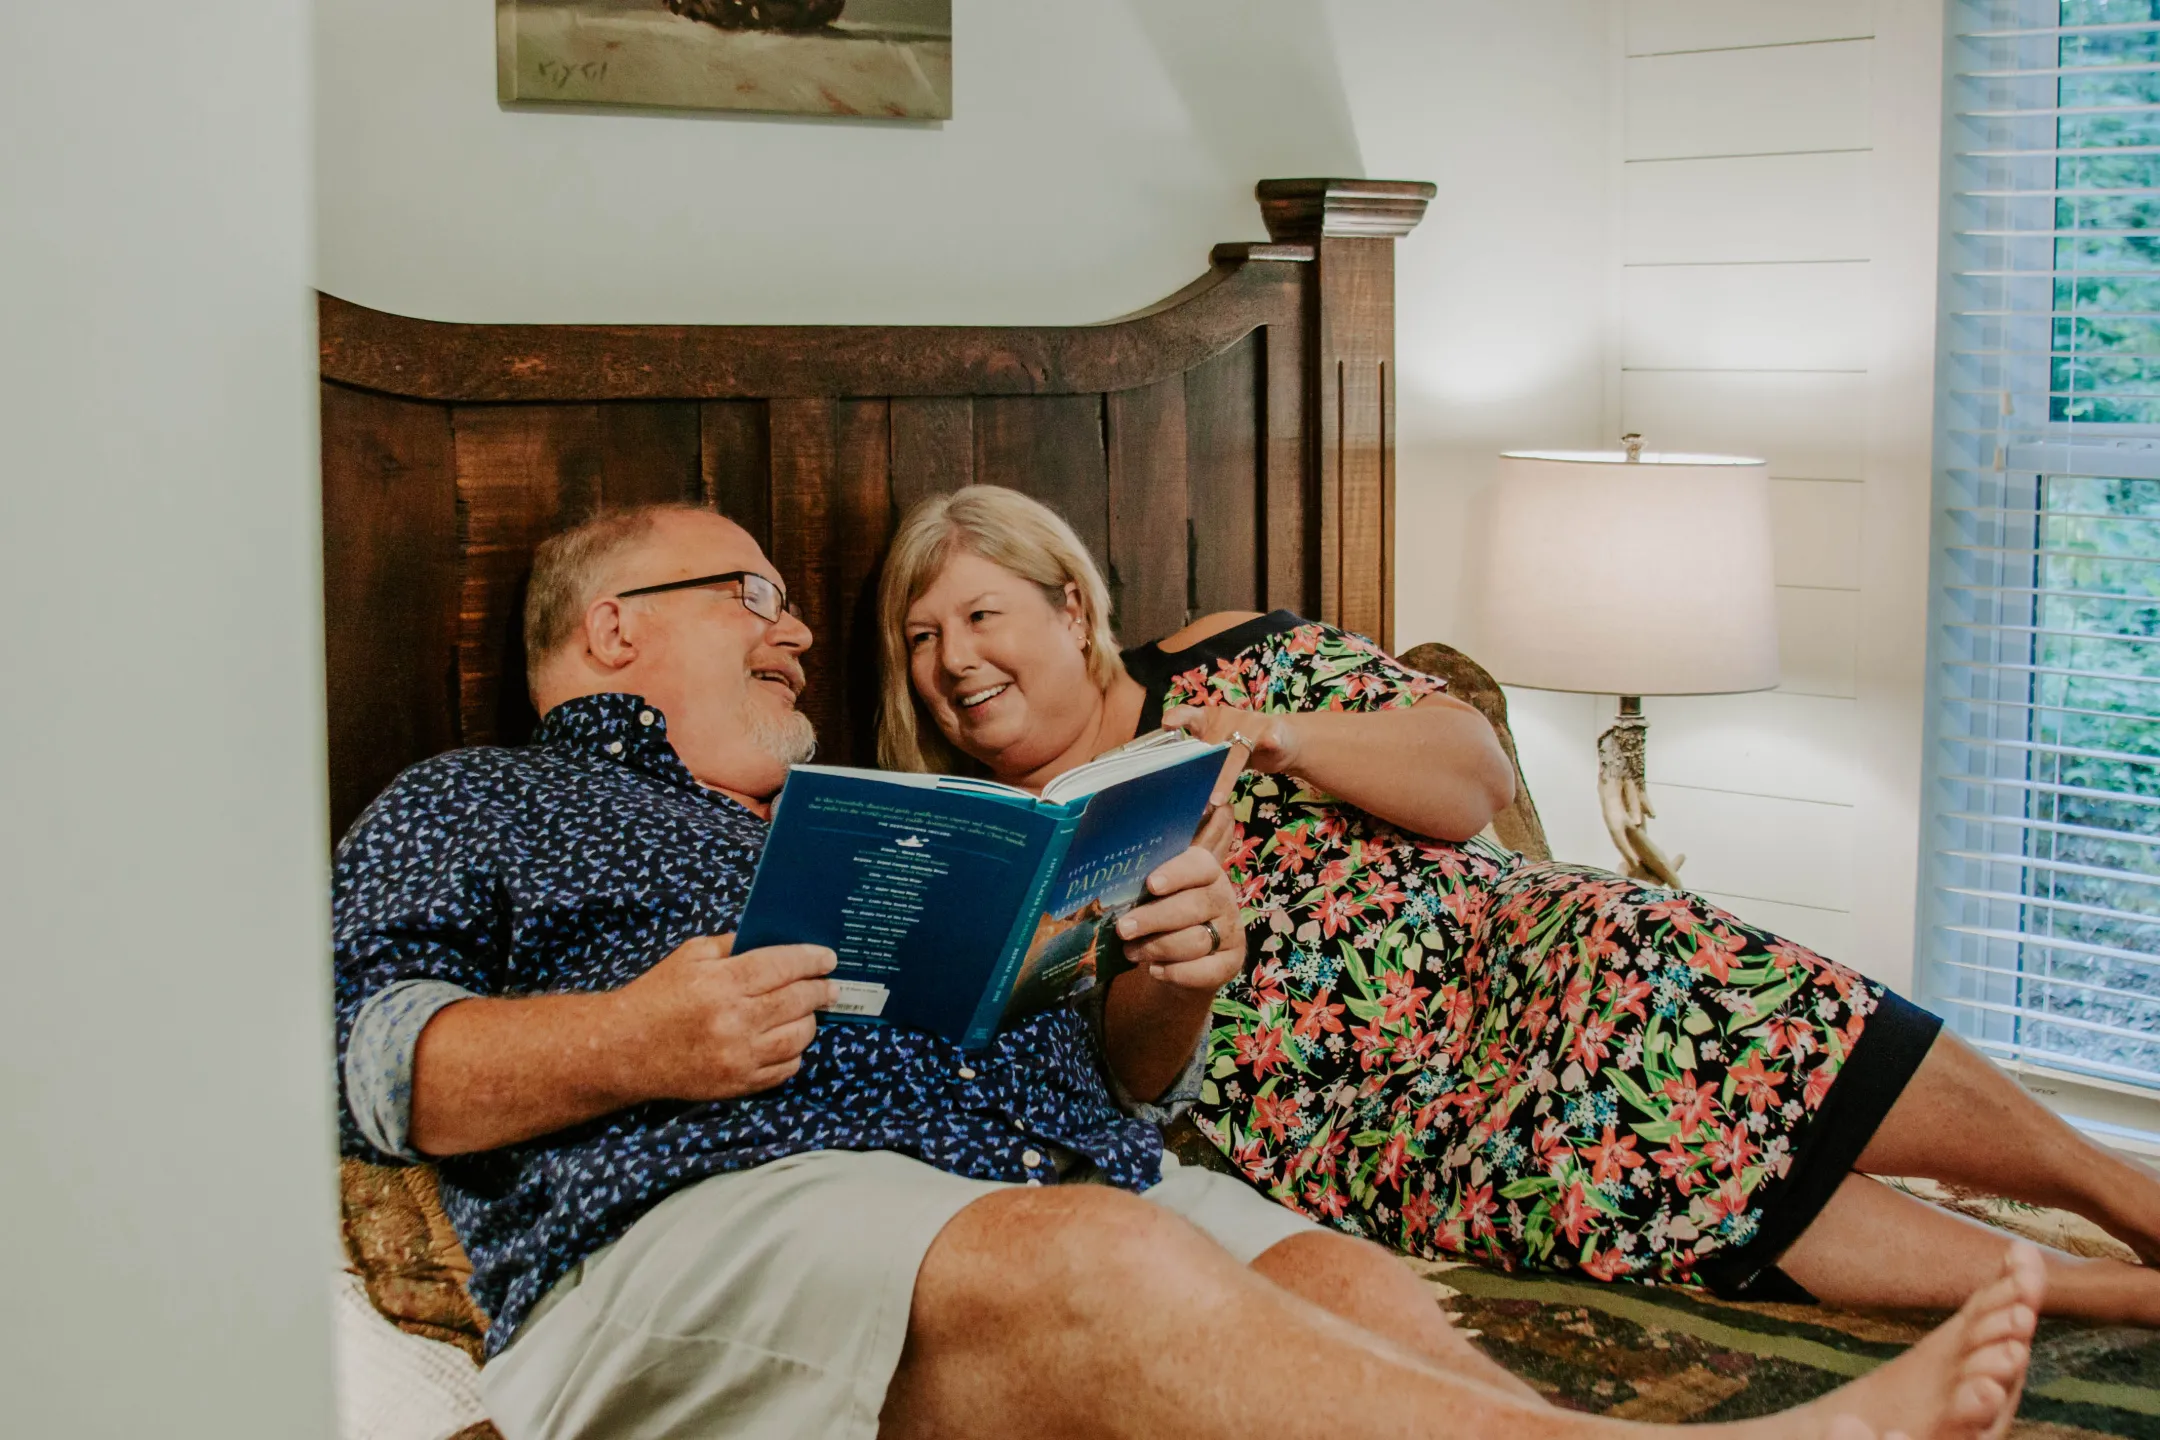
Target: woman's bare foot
1960	1383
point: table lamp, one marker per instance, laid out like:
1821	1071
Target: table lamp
1631	574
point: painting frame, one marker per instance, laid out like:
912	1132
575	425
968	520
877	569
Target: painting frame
887	59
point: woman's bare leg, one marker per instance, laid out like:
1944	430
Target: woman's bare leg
1963	1121
1875	1248
1367	1286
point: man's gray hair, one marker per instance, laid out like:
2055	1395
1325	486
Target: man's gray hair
567	571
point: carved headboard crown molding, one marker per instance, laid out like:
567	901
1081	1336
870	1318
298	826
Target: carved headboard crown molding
1307	210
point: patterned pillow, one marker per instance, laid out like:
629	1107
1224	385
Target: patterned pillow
399	1242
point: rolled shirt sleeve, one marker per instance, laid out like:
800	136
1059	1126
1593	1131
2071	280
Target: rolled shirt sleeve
378	1065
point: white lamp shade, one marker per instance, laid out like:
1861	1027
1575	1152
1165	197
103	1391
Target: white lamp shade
1643	578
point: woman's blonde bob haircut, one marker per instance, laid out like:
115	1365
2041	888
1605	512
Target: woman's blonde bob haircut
1006	528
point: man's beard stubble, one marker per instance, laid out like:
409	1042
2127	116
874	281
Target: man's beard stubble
791	740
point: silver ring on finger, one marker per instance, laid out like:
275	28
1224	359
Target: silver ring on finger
1214	936
1239	737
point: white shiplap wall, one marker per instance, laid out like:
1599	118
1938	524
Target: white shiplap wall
1773	273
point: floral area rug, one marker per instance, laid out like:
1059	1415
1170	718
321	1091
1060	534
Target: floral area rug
1679	1355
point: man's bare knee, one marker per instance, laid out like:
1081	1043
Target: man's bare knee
1029	1298
1047	1255
1351	1277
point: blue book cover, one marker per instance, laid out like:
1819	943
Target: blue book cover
959	906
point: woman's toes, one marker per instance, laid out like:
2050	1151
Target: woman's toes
1980	1401
2028	1271
2003	1361
2011	1322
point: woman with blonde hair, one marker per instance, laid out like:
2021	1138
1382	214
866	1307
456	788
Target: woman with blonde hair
1442	1047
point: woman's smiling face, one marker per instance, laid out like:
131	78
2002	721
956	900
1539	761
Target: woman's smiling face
1001	668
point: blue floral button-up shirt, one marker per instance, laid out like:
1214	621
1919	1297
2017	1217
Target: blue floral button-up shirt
575	864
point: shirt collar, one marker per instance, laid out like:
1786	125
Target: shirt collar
618	729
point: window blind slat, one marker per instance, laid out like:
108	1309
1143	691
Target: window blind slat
2042	902
2116	878
2143	1038
2045	787
2027	940
2129	999
2054	827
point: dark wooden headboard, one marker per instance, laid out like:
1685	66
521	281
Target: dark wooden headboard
1229	448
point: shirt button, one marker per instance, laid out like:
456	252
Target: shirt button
614	747
1035	1180
966	1073
644	717
1031	1158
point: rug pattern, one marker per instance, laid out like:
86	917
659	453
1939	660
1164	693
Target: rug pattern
1679	1355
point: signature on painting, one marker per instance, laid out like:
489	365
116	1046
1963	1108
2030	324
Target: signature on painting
560	74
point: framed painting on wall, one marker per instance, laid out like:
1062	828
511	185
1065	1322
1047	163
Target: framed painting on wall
889	58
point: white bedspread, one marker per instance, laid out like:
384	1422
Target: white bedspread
395	1386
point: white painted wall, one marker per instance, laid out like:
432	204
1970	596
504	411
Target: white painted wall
165	1146
1095	153
1502	297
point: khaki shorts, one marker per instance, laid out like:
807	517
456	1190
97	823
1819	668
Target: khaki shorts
773	1302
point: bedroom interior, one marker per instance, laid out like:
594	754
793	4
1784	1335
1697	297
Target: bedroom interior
1717	224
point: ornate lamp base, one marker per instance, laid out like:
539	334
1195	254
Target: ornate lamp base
1624	802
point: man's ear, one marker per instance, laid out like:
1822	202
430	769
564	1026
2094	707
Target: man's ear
610	633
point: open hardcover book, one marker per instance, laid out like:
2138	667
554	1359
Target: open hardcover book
959	905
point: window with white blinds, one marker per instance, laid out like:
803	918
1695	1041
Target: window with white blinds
2044	922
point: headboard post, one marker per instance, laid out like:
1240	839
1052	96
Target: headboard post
1350	342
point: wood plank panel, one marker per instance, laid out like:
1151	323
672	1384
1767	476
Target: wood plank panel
863	509
524	472
1149	511
1759	208
1818	641
389	590
1289	544
1791	747
1223	477
519	469
1791	851
933	448
1815	531
648	454
735	463
1750	102
1808	426
1746	317
1050	447
1660	26
833	516
805	484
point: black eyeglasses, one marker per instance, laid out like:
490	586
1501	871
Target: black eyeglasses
760	596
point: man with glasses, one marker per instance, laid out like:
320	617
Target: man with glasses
693	1211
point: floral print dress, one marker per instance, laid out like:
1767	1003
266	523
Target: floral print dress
1456	1052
